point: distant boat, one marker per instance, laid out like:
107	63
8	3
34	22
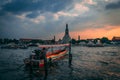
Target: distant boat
32	45
14	46
98	44
23	46
9	46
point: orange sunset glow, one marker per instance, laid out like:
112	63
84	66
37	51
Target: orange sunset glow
91	33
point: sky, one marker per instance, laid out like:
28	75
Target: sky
44	19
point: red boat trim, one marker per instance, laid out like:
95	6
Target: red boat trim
54	57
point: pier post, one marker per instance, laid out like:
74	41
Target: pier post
70	55
31	65
45	63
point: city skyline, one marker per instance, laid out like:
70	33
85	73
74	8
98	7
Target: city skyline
43	18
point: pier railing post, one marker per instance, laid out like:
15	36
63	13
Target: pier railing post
70	55
45	63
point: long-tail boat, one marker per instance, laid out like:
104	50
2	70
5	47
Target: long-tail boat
47	54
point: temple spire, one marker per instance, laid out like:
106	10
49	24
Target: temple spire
66	30
66	37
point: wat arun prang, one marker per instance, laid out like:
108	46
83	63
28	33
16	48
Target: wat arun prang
66	38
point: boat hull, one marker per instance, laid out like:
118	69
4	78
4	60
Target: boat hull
50	59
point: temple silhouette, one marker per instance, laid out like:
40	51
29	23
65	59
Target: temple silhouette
66	37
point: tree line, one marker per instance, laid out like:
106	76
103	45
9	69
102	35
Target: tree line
102	40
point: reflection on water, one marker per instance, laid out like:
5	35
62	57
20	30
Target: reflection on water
101	63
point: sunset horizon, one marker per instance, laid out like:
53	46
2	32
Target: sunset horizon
33	19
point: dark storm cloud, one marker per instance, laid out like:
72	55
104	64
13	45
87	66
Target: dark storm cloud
33	15
21	6
113	5
46	18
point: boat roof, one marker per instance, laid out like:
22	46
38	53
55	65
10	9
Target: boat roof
50	46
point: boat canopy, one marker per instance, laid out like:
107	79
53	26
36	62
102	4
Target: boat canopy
51	46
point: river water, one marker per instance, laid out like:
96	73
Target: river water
89	63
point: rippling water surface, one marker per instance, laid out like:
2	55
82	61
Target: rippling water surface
100	63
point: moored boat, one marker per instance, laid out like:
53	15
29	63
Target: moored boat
51	53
